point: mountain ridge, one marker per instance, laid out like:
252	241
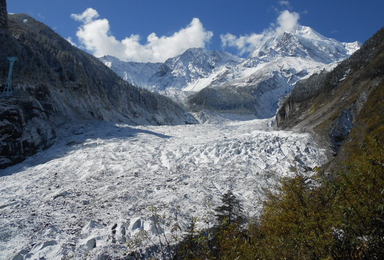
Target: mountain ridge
177	72
304	42
277	64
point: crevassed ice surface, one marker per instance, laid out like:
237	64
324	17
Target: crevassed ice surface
89	194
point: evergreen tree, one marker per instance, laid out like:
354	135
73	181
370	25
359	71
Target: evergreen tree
231	210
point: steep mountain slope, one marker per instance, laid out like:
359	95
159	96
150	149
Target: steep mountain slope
56	82
349	99
270	72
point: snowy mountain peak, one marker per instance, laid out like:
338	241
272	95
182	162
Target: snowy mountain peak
304	42
258	83
200	61
201	55
308	32
352	46
175	73
192	65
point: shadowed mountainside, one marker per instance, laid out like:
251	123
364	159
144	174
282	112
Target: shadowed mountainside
54	83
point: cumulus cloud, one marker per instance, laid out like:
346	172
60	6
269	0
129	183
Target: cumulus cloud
286	21
95	36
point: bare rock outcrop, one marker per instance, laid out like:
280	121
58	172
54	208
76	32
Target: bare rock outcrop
24	130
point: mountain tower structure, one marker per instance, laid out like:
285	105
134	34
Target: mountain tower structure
8	90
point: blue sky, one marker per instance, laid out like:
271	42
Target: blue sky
153	30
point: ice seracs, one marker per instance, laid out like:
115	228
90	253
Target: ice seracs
87	196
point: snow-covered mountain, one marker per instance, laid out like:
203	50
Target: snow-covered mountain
303	42
91	193
221	81
257	84
136	73
179	73
184	72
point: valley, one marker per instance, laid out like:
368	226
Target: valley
101	157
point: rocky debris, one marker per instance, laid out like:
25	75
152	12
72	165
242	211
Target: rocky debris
228	99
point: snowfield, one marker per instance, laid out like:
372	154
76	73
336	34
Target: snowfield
89	194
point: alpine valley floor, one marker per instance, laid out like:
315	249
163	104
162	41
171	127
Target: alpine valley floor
91	192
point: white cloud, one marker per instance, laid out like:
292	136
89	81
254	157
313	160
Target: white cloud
286	21
285	3
95	36
244	44
69	39
87	16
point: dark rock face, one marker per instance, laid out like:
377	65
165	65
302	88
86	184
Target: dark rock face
340	129
24	130
222	100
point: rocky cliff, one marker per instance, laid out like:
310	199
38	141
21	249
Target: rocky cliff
55	82
24	130
332	104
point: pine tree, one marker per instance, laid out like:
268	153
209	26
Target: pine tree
231	210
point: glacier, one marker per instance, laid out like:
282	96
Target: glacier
90	193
